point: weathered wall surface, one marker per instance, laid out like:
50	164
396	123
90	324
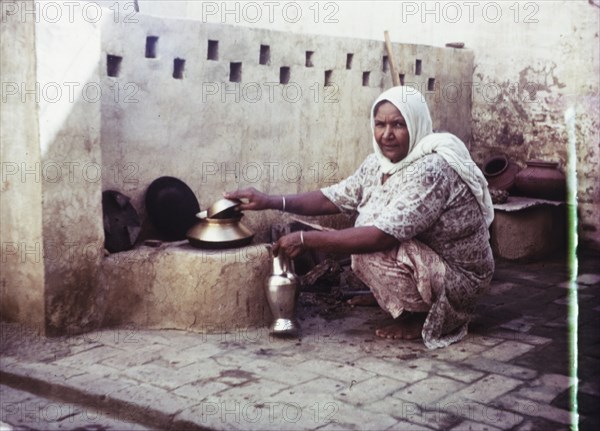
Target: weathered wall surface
67	62
22	275
280	130
521	109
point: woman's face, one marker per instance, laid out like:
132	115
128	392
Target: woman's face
391	132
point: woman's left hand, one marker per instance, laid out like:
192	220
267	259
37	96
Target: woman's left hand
291	245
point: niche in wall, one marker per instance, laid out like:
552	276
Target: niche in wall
265	55
213	50
178	68
365	79
113	65
328	74
151	46
431	84
235	72
284	75
309	59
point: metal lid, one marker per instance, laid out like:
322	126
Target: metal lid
223	208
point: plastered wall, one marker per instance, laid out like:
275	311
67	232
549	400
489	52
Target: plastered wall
51	215
22	274
68	60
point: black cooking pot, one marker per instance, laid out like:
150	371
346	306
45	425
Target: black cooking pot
172	207
121	222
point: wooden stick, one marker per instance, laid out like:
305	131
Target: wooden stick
312	225
388	48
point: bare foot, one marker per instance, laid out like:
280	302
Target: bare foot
363	300
408	328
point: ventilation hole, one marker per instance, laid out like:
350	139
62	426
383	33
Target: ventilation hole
235	72
151	45
213	50
418	67
309	57
328	77
431	84
386	64
265	54
349	58
113	65
365	80
401	75
284	75
178	67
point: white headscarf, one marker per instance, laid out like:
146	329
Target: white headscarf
423	141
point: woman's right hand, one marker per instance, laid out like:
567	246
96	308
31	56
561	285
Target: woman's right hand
256	200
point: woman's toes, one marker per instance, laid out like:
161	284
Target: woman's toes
362	300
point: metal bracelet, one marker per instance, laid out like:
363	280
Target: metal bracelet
283	199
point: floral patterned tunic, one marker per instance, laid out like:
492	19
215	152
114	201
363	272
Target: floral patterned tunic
427	201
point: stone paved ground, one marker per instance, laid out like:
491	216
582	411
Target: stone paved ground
511	372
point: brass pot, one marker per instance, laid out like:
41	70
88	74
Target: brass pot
223	208
212	232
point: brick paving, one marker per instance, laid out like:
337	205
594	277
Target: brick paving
511	372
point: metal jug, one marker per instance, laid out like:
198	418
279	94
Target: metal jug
281	288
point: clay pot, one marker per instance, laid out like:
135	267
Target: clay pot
541	180
500	172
